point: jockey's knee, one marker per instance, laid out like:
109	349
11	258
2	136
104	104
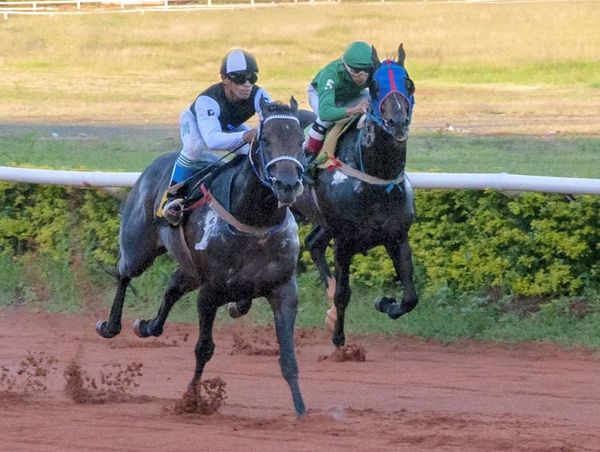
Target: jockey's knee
192	150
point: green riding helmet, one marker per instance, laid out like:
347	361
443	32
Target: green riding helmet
358	55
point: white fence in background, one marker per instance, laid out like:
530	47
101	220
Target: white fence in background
472	181
52	7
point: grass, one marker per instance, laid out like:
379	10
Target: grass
466	58
433	152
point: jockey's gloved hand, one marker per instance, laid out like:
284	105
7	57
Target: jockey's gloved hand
310	158
319	159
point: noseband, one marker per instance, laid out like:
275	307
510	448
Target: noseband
262	171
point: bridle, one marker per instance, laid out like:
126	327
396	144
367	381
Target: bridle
262	167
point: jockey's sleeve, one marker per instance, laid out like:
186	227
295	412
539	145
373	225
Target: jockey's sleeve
326	83
207	117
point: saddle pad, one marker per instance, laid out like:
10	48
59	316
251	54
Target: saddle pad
334	133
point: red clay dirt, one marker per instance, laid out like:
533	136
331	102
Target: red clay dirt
63	388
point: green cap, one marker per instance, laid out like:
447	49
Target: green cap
358	55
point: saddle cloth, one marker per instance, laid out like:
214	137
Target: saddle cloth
334	133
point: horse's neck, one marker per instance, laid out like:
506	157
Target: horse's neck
252	202
385	158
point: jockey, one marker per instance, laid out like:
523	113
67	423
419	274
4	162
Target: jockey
339	90
215	122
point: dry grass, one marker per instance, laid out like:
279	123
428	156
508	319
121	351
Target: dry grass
473	62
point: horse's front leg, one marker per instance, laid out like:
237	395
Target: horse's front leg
284	302
401	256
343	257
180	284
205	347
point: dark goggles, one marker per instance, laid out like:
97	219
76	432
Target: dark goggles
239	78
358	71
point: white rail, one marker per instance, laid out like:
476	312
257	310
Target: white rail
472	181
52	7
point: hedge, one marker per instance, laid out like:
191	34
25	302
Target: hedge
525	244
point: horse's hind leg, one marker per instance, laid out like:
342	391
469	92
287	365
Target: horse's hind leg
401	256
135	256
284	302
113	326
317	242
179	285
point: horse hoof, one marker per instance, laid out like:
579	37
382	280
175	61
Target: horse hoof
233	310
102	330
331	318
383	304
137	328
141	328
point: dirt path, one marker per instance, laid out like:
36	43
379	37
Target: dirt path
407	395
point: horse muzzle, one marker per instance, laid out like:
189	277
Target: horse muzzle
287	191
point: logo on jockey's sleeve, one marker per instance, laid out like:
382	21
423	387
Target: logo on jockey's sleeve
185	128
203	113
329	84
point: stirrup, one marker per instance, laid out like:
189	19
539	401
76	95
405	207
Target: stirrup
172	211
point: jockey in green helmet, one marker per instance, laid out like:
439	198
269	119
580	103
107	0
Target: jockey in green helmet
339	90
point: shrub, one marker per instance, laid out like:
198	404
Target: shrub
527	244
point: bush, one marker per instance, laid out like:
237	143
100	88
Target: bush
525	245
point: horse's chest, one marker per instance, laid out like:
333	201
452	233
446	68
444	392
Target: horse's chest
231	261
352	204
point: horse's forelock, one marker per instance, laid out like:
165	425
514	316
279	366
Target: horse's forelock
277	107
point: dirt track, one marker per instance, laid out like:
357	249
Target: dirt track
407	395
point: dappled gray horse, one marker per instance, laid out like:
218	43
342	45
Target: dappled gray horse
364	199
242	243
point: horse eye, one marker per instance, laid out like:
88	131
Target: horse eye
410	86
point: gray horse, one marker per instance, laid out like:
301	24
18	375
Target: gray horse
240	244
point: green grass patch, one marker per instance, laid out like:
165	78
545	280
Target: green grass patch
557	156
560	73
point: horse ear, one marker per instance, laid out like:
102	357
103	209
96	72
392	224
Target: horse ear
374	90
263	105
293	105
401	55
375	58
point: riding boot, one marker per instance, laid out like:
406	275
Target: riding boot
173	200
312	147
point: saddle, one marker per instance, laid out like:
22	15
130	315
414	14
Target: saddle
190	190
205	176
328	151
331	139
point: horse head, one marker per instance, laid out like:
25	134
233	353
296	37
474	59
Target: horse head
392	96
277	153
